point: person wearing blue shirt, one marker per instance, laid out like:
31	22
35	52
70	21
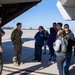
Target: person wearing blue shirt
39	42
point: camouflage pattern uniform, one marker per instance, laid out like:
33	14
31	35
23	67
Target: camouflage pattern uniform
16	39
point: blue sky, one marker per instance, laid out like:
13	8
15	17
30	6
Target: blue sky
44	13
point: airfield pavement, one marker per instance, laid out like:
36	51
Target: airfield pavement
29	67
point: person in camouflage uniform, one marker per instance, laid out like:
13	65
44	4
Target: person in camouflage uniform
16	39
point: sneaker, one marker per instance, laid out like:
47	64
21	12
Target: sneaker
15	63
44	53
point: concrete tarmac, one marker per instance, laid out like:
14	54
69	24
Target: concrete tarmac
29	67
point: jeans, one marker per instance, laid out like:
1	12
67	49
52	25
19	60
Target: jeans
60	63
1	63
38	53
45	42
68	62
52	53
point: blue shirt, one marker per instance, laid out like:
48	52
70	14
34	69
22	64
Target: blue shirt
39	38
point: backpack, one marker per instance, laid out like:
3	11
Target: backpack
63	45
46	34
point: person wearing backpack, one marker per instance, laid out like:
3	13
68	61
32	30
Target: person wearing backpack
46	34
71	42
60	47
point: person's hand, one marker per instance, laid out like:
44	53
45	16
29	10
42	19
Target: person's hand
1	34
1	50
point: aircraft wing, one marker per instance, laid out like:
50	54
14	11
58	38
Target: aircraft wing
67	9
10	9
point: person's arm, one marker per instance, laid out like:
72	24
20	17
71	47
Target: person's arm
1	50
13	36
72	37
1	32
57	45
37	36
49	40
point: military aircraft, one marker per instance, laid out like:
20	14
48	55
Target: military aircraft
67	9
10	9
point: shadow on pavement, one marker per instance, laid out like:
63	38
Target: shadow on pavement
27	39
9	50
27	55
27	71
72	71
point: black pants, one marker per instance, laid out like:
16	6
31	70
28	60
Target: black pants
51	51
38	53
60	63
1	63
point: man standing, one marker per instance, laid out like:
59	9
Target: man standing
1	50
59	26
16	39
70	38
55	26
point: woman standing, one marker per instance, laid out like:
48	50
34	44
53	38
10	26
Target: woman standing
39	42
60	47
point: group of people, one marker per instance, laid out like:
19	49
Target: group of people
60	42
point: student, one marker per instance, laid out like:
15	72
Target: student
39	42
59	26
1	50
55	26
51	40
16	39
46	34
70	38
60	47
